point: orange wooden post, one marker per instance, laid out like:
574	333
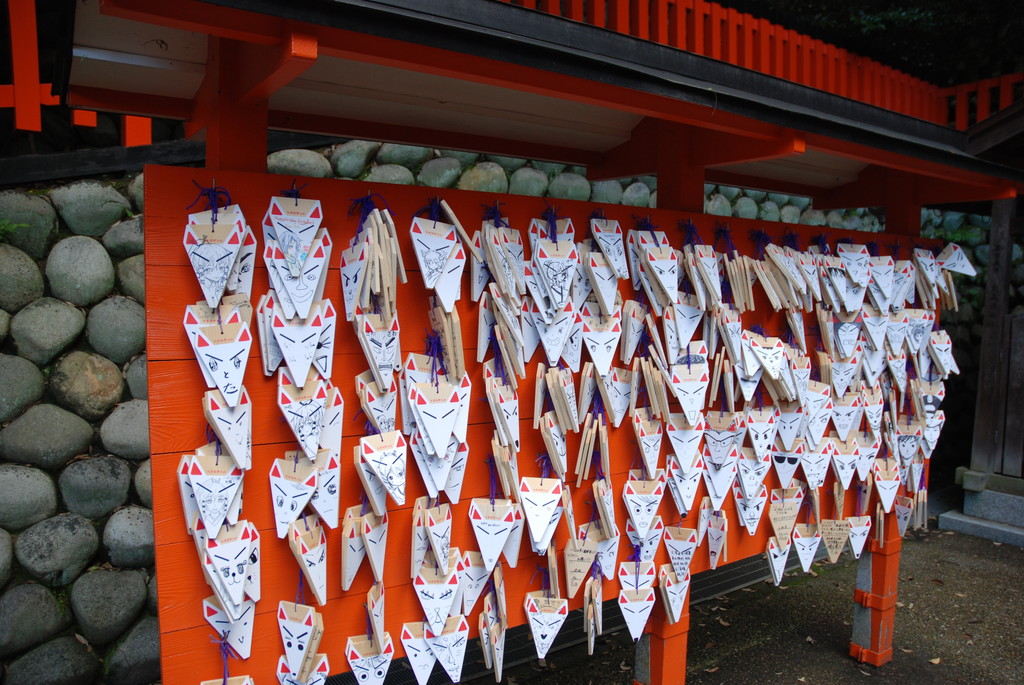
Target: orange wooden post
596	14
698	30
661	653
874	609
962	99
83	117
748	25
716	20
136	131
619	19
640	20
733	38
575	10
25	65
660	25
764	47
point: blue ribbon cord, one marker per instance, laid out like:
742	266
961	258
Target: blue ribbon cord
213	195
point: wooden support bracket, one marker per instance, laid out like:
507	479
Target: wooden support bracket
269	70
874	612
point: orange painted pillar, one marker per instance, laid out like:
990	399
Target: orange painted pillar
874	609
661	653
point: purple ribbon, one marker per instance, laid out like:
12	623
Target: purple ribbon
545	465
213	196
545	578
226	652
293	192
644	224
598	214
726	287
432	210
691	236
791	239
822	242
550	215
499	361
300	592
761	240
595	460
369	623
872	248
895	247
492	213
492	469
365	206
436	354
723	234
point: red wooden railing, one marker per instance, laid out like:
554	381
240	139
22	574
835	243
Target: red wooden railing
709	29
697	26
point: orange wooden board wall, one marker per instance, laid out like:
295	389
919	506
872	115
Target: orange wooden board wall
177	425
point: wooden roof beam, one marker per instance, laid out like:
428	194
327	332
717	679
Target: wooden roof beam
267	71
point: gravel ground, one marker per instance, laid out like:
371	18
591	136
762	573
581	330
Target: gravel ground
960	621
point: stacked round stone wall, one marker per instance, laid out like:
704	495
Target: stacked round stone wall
77	591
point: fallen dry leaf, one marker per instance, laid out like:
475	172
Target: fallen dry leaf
959	594
625	667
938	581
936	660
713	669
809	640
724	622
906	651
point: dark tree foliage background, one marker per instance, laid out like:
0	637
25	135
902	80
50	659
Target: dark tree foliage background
945	42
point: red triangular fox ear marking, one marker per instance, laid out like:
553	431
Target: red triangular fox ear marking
315	214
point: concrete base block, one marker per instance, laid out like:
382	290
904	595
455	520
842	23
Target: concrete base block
995	506
982	528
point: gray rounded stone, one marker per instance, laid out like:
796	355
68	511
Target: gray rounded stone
509	164
126	431
105	602
409	156
33	221
125	238
29	496
45	436
800	203
982	254
116	328
653	202
834	219
136	659
569	186
650	181
63	661
350	158
869	222
636	194
5	325
953	220
128	537
606	192
972	237
6	556
144	483
89	207
135	191
709	188
29	614
390	173
56	550
789	214
730	192
441	172
755	195
778	198
813	217
718	205
21	278
151	595
298	163
768	211
80	271
22	385
527	181
465	158
852	222
87	384
131	277
549	168
95	487
45	328
138	381
745	208
486	177
578	170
